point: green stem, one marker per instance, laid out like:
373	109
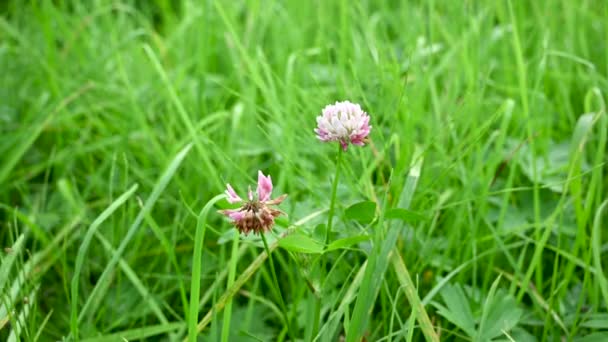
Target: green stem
195	285
231	276
278	288
334	190
330	219
317	318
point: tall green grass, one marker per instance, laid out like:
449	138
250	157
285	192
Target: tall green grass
477	211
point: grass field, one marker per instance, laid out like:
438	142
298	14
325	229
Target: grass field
476	212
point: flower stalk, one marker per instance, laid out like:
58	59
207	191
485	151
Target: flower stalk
334	191
257	215
346	123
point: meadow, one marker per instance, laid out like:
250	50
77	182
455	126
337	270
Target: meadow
476	211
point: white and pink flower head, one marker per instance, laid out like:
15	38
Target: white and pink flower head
344	122
255	215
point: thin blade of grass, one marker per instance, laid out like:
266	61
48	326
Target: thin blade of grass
17	330
380	256
138	333
171	253
100	288
596	241
238	283
484	315
183	114
42	325
329	329
23	146
231	275
39	263
533	293
573	172
132	276
374	275
222	275
7	263
37	232
83	249
409	288
197	253
403	275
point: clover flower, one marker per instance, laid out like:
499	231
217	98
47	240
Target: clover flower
344	122
255	215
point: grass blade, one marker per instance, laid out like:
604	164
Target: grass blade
7	262
39	263
238	283
83	249
380	257
596	241
195	282
32	134
374	275
137	283
138	333
102	284
231	275
183	114
17	331
412	296
329	329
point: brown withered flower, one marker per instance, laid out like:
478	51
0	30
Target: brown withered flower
257	214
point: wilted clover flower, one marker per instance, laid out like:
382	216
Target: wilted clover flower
344	122
255	215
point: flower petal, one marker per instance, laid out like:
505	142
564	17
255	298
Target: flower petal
277	200
235	214
231	195
250	194
344	122
264	189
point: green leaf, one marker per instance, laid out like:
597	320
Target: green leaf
138	333
596	248
228	236
347	242
372	281
458	310
517	334
594	337
404	215
596	321
362	212
502	315
319	232
584	124
301	243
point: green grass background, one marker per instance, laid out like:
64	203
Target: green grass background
120	120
